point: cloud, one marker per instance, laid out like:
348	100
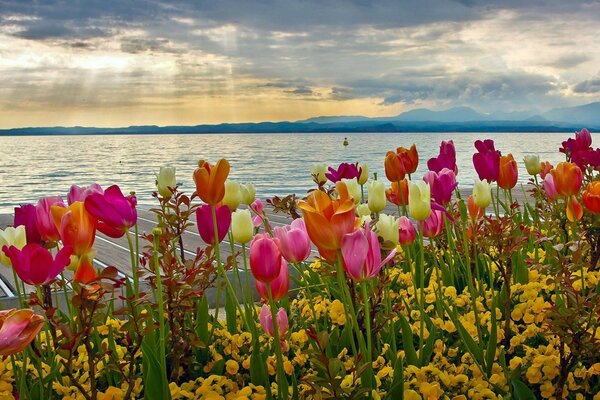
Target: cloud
570	61
301	91
588	86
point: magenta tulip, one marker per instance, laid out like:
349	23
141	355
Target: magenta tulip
78	193
344	170
265	258
361	254
446	158
486	160
279	286
26	215
442	184
44	219
34	264
406	231
434	225
115	212
266	321
294	242
206	227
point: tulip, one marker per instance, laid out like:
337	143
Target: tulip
486	160
398	193
259	209
233	195
78	193
266	321
318	172
361	254
446	158
77	227
576	149
419	200
574	209
508	172
353	189
294	242
364	174
45	222
363	210
210	181
35	265
388	228
115	212
406	230
248	193
403	161
442	184
550	187
26	215
166	181
475	212
279	286
376	196
344	170
532	164
328	220
482	193
567	178
206	227
11	237
434	225
265	258
591	197
545	168
18	328
242	227
84	270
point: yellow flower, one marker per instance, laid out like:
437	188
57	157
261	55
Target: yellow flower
411	395
232	367
336	312
112	393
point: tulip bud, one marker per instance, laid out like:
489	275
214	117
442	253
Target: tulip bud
550	187
266	321
591	197
12	237
265	258
376	196
532	164
318	172
406	230
387	227
248	193
363	210
233	195
419	200
165	181
353	189
242	227
279	286
18	328
482	193
364	174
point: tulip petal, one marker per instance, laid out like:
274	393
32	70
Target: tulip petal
355	248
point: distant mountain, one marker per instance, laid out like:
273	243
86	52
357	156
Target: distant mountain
587	114
332	119
455	114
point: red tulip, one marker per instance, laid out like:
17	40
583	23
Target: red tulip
265	258
206	227
26	215
115	212
486	160
442	185
279	286
446	158
35	265
591	197
406	231
18	328
434	224
398	193
294	242
78	193
361	254
45	222
403	161
508	172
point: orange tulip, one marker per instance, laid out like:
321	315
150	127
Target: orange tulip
403	161
591	197
508	172
76	227
210	181
328	220
18	328
574	209
567	178
546	167
475	212
398	193
85	272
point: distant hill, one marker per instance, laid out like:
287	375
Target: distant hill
588	114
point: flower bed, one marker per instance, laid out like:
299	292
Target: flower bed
446	297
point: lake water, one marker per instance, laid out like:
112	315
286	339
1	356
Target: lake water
36	166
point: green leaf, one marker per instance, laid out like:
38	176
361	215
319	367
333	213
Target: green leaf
230	313
156	386
258	372
428	348
397	389
408	343
202	320
490	353
520	390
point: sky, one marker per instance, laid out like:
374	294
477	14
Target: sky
112	63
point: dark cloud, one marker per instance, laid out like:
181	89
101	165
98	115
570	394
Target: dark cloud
588	86
570	61
301	91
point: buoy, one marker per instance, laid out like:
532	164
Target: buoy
345	141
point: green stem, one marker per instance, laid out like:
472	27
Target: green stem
136	282
422	287
161	313
367	309
282	390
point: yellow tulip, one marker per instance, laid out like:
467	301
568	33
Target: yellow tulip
532	164
376	196
12	237
387	228
419	200
248	193
166	180
242	227
318	172
233	195
364	174
353	189
482	193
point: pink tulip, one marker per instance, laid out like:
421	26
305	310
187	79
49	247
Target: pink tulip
294	242
115	212
279	286
78	193
265	258
266	321
259	209
35	265
442	184
26	215
44	220
18	328
434	225
361	254
486	160
206	227
446	159
406	231
550	187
